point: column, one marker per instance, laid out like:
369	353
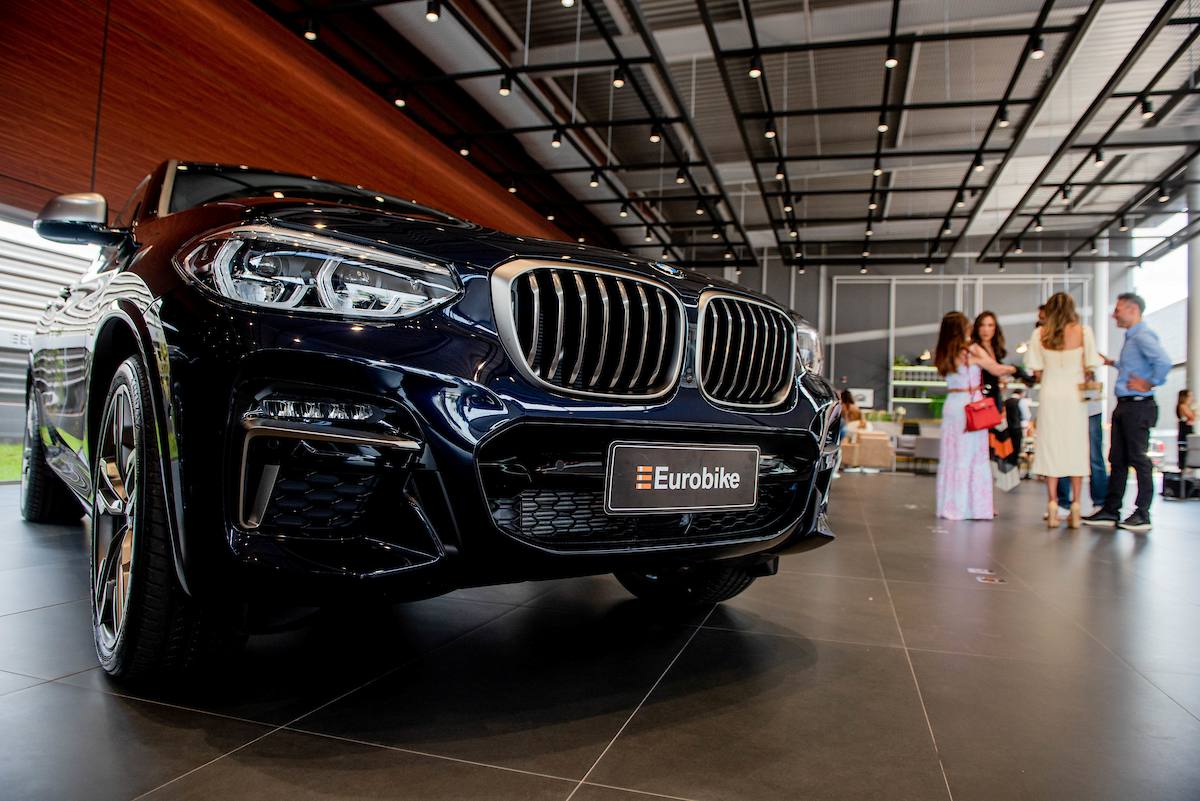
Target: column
1193	304
1101	304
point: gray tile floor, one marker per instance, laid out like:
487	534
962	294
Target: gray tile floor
877	667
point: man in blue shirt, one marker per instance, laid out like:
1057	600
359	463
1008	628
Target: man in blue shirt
1143	365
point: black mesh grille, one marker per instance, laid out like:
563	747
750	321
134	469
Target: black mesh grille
747	352
597	332
576	518
321	500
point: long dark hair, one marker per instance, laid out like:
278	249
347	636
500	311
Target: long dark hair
997	338
952	341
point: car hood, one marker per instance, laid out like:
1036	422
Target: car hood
465	245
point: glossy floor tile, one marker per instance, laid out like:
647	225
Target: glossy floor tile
1076	678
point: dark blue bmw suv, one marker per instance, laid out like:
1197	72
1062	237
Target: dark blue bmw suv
274	388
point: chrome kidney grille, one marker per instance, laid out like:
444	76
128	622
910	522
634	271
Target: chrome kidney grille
590	331
745	351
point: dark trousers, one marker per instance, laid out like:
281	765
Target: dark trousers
1098	482
1131	424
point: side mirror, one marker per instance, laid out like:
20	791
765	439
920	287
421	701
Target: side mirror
80	219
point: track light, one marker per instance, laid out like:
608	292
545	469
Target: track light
928	268
1066	194
665	255
400	100
871	204
512	187
977	164
869	232
878	171
681	176
556	140
505	86
1092	247
728	253
793	233
464	151
787	204
866	252
433	10
594	181
959	200
1163	194
618	78
779	173
648	237
1069	265
1037	48
882	127
716	233
655	134
756	68
769	129
1018	249
863	269
1037	223
1124	226
310	30
1147	108
946	227
891	61
581	239
550	217
800	270
568	3
1002	117
1000	269
1099	157
624	210
700	208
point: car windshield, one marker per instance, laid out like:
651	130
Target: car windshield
197	184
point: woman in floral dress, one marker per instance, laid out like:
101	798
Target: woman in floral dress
964	476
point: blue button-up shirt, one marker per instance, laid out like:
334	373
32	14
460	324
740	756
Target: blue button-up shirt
1143	356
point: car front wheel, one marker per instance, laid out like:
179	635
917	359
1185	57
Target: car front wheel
144	624
687	587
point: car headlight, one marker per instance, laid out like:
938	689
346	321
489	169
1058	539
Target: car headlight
809	352
291	270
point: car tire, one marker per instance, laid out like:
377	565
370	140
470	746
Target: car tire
144	624
44	496
687	587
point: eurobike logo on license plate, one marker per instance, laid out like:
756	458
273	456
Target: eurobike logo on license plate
648	479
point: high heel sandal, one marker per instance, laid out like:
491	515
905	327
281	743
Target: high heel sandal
1074	516
1052	514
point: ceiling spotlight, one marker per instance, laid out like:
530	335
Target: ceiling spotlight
728	253
400	100
1147	108
946	227
556	140
871	204
788	207
1066	194
618	78
1124	226
1099	157
1018	249
800	270
866	252
1037	223
1002	117
1000	269
1092	247
1163	194
568	3
594	181
700	208
505	86
882	127
869	232
550	217
769	129
716	233
310	31
878	171
433	10
464	151
977	164
928	269
624	211
1037	48
655	134
891	61
863	269
665	255
1069	265
681	176
648	237
756	67
582	239
959	200
512	187
779	173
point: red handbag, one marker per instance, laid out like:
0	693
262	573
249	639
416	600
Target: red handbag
982	414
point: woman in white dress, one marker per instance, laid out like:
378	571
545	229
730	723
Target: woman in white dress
1061	353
